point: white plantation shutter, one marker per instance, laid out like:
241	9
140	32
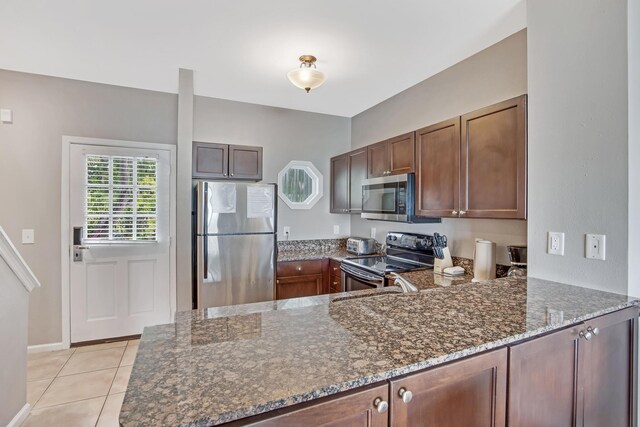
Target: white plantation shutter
121	202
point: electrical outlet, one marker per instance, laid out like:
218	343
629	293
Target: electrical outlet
28	237
287	231
336	229
555	243
373	232
595	246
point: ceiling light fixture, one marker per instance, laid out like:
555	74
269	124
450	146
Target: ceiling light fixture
306	77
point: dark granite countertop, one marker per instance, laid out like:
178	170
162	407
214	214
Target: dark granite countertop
334	253
218	365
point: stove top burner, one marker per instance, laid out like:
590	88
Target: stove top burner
382	265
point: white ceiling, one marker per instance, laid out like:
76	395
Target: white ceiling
242	49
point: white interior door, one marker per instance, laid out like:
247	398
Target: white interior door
121	199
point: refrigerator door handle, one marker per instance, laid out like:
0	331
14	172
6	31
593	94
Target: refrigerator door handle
205	257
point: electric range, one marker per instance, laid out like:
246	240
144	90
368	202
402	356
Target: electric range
404	252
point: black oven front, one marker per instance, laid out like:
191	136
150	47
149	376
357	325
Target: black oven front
356	279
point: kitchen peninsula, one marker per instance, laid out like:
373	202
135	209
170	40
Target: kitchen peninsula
350	357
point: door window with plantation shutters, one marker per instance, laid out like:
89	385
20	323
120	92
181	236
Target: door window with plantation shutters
121	275
121	198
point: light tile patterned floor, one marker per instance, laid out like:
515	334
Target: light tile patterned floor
79	387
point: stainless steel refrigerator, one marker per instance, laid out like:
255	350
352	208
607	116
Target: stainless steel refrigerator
235	243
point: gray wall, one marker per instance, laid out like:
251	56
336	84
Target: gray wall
13	334
45	109
578	138
494	74
633	19
285	135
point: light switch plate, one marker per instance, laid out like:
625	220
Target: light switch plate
595	246
336	229
287	231
555	243
373	232
28	237
6	116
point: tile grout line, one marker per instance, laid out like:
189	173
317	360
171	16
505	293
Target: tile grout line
53	379
111	386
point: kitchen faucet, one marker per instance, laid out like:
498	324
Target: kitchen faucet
404	284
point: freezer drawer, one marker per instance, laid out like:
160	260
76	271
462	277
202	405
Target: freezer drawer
236	269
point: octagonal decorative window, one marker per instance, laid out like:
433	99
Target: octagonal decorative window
300	184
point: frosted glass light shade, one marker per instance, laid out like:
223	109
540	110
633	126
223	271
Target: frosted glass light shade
306	78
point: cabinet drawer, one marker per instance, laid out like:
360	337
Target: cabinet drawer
298	286
334	267
299	268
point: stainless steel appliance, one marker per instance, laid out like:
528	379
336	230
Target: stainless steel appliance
361	245
235	243
391	198
518	258
405	252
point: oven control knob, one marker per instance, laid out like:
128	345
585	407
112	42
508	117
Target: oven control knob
393	238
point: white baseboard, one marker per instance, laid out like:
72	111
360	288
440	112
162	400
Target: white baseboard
20	417
41	348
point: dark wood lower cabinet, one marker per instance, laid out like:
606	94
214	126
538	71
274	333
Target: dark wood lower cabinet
299	286
351	410
584	375
470	392
610	364
543	380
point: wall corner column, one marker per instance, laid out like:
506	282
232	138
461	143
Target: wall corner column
184	190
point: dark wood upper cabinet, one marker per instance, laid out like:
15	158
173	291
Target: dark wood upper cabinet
350	410
470	392
378	159
245	162
210	161
438	169
357	173
339	202
223	161
392	156
347	172
402	154
565	379
494	161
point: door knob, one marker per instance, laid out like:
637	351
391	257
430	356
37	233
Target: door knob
380	405
405	394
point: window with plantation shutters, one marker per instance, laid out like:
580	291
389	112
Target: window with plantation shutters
121	201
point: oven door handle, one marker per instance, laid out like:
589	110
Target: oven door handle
355	273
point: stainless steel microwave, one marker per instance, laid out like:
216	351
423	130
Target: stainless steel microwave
391	198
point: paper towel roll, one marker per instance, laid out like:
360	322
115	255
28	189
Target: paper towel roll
484	260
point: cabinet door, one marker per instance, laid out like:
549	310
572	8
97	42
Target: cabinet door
245	162
351	410
543	381
609	370
357	173
210	160
339	184
494	159
402	154
378	159
298	286
470	392
438	172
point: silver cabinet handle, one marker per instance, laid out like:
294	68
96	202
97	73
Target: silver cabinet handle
463	212
594	331
454	212
381	405
405	394
224	174
586	335
299	268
